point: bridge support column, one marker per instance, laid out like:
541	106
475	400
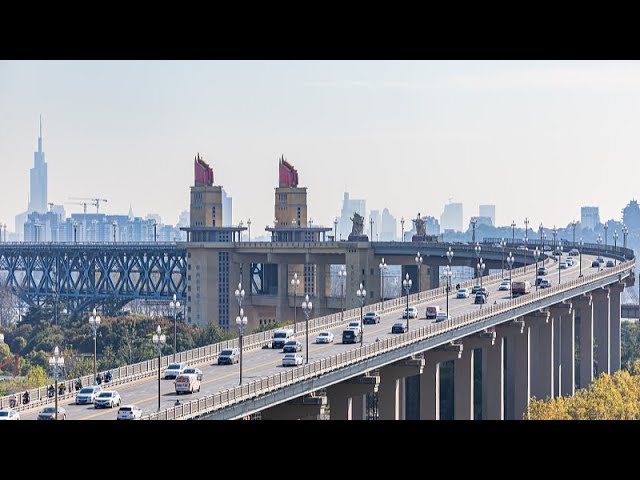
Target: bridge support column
614	315
389	391
343	397
359	407
518	369
602	328
434	277
584	307
430	379
308	407
543	365
463	373
493	380
321	289
282	307
563	349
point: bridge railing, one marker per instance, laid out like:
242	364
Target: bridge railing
262	386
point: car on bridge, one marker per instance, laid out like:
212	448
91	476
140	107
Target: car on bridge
600	259
174	369
351	335
442	316
49	413
88	394
411	312
563	266
187	384
475	289
505	286
193	371
483	290
557	252
542	271
129	412
292	346
355	324
609	263
9	414
371	318
108	398
399	327
292	360
544	283
324	337
431	312
463	293
480	298
574	252
281	336
595	264
229	356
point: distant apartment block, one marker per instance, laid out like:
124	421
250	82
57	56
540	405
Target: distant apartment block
589	217
451	218
488	211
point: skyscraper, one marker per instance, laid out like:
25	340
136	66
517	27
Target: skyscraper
488	211
589	217
38	183
451	218
389	227
349	206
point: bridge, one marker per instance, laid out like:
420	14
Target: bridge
527	345
82	275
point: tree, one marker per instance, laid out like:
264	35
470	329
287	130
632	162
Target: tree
36	377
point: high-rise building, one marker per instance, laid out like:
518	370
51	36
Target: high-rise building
451	218
488	211
206	199
227	209
38	180
349	207
631	215
589	217
291	200
432	226
389	227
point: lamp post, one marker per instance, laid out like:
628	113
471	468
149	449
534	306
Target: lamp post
335	230
402	223
249	228
559	250
94	322
473	227
555	235
240	226
75	232
371	229
361	293
625	232
503	244
599	241
526	248
342	275
606	229
114	224
480	266
541	229
510	261
239	294
159	339
382	266
174	305
526	227
419	264
573	224
56	362
580	244
536	255
406	283
295	281
241	321
615	245
448	273
155	232
513	231
477	249
307	306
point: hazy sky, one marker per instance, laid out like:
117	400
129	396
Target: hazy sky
538	139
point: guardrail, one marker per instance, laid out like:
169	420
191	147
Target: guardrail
147	368
253	389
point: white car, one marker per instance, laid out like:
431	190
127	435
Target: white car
355	324
9	414
107	398
324	337
174	369
129	412
193	371
292	360
463	293
88	394
563	265
442	316
411	312
505	286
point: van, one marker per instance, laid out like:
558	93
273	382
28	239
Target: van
280	337
187	383
432	312
351	335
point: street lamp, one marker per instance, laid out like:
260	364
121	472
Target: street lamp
599	241
159	339
625	232
402	223
480	266
419	264
559	250
342	275
249	228
114	224
94	322
174	305
606	229
240	226
541	229
555	235
615	245
241	321
513	231
526	248
448	273
382	266
573	224
307	306
295	281
510	261
526	227
580	244
536	255
56	362
361	293
75	232
503	244
335	229
473	226
477	249
406	283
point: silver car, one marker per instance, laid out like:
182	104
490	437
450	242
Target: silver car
49	413
88	394
107	398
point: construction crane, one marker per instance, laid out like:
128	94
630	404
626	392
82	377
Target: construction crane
94	201
84	205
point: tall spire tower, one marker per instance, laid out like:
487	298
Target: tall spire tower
38	185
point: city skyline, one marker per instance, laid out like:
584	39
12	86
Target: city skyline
126	131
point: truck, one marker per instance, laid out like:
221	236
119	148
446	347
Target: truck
521	287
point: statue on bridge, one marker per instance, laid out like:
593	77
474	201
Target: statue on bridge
357	229
421	231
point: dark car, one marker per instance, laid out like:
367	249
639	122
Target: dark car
371	318
609	263
292	346
475	289
595	264
351	335
480	298
399	327
542	271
